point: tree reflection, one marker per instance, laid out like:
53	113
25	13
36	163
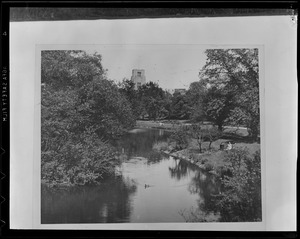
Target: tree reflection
207	186
139	144
182	169
202	183
107	203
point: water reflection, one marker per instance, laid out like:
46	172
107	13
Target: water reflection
182	169
201	183
206	186
139	143
109	202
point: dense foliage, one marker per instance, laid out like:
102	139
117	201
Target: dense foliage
196	101
232	80
240	199
180	137
151	97
81	112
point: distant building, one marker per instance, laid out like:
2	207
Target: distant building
181	91
138	77
171	91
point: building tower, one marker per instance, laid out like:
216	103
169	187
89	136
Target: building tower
138	77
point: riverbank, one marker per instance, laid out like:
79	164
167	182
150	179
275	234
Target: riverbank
212	160
163	124
171	125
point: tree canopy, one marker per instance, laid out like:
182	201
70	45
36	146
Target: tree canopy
81	112
232	80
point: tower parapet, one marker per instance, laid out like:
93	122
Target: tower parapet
138	77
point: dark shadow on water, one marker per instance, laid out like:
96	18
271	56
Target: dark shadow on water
207	186
202	183
106	203
139	143
182	168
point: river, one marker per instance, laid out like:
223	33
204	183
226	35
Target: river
150	187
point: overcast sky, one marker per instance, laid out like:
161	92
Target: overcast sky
171	66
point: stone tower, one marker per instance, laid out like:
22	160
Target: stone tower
138	77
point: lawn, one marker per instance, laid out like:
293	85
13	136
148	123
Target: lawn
210	159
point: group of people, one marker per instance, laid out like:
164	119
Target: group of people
229	146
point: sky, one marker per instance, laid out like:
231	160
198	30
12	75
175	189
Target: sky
171	66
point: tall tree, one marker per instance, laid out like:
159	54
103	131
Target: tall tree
152	98
127	88
180	107
196	96
233	80
80	111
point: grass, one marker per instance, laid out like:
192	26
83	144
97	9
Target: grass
214	158
210	159
237	132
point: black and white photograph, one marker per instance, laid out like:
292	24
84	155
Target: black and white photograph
162	123
159	133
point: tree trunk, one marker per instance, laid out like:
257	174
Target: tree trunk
200	146
209	146
220	127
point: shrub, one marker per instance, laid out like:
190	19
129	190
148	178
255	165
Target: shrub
160	146
80	160
180	137
81	110
204	160
241	196
197	215
208	166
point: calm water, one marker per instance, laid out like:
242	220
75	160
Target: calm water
172	186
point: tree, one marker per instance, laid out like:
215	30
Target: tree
81	111
70	69
197	132
233	81
195	96
167	105
110	111
240	199
152	98
212	134
180	108
218	105
127	88
203	134
180	137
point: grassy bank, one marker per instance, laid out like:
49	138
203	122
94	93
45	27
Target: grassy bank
175	124
163	124
212	160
